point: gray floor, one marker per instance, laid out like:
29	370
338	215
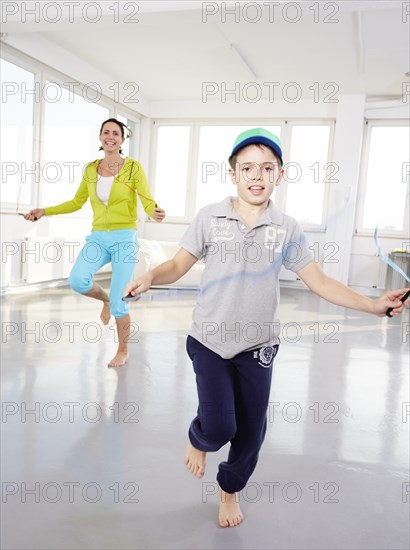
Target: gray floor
98	462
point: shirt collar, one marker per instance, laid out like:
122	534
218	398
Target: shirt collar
272	214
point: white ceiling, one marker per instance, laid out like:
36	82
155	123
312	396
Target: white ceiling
175	47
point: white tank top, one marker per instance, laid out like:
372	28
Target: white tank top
104	184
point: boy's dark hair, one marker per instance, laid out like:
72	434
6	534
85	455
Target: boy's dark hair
260	145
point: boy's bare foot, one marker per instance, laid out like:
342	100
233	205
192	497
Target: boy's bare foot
230	514
119	360
195	460
105	313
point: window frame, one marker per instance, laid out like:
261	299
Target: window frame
43	73
34	67
196	124
49	75
192	160
369	124
281	193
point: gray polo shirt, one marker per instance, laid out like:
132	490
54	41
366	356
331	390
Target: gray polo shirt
237	303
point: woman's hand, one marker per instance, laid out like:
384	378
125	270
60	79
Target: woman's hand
159	214
35	214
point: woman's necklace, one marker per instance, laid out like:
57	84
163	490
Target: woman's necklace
112	168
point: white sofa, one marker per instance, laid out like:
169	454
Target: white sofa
152	253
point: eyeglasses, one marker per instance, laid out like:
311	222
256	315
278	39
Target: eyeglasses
252	171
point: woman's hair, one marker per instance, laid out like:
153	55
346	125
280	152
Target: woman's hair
125	131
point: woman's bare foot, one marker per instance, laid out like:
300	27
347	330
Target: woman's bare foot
105	313
195	461
230	514
119	360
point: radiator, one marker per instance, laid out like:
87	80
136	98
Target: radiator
382	276
393	278
44	259
49	258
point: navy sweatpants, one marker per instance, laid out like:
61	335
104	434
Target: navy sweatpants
233	397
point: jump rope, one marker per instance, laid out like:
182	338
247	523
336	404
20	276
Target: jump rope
384	258
380	254
129	187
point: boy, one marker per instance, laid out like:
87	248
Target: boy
234	338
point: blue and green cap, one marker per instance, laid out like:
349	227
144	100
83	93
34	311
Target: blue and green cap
257	135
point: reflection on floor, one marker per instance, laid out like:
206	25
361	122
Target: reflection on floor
93	457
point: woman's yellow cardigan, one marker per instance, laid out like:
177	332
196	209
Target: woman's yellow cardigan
121	212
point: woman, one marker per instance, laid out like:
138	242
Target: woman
112	184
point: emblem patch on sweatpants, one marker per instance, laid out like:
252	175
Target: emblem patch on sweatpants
265	355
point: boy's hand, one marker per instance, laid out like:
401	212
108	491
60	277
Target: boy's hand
390	299
159	214
138	286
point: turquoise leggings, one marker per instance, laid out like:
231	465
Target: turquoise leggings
120	247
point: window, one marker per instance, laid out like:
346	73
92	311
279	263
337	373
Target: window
385	178
306	173
192	168
171	168
17	135
43	158
129	145
70	141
